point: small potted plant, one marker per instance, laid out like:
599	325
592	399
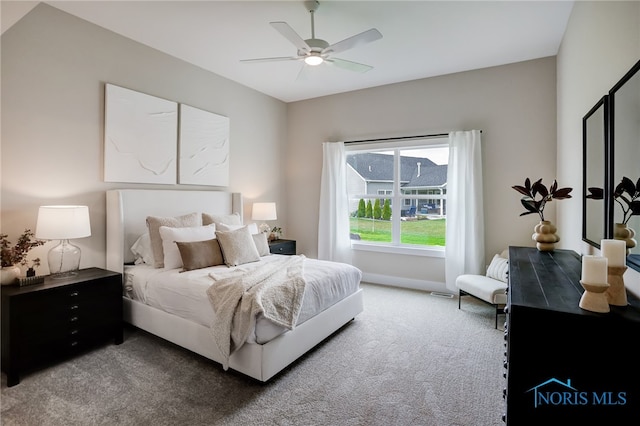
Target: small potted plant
275	234
627	195
536	197
12	256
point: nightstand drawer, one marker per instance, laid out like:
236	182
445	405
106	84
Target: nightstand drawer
287	247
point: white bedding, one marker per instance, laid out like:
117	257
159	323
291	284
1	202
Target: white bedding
184	293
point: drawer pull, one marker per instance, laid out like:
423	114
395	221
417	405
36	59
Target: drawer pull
73	332
73	319
74	343
74	293
73	307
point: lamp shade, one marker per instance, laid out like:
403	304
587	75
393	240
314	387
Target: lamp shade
63	222
264	211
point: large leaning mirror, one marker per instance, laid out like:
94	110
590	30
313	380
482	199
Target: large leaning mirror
624	100
594	146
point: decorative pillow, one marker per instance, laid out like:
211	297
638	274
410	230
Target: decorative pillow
200	254
253	228
230	219
154	224
141	249
170	236
237	246
498	268
262	244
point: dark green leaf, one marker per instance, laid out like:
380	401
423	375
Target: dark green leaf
521	189
562	193
539	188
628	186
595	193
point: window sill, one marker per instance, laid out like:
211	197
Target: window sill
404	249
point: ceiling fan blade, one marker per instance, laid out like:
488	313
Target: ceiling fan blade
353	41
288	33
278	58
348	65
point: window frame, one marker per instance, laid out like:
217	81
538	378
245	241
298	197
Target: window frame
397	196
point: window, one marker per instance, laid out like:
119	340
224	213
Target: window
397	192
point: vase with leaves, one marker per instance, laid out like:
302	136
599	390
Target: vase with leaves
12	256
534	200
627	195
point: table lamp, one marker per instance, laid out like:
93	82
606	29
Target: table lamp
63	223
264	211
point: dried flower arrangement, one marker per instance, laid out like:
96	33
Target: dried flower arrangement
17	255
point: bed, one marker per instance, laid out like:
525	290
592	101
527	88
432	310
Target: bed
260	357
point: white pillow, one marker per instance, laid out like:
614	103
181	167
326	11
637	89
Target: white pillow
169	235
499	268
141	249
253	228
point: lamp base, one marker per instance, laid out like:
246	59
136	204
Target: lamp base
64	260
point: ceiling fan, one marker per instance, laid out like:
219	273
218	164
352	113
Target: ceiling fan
315	51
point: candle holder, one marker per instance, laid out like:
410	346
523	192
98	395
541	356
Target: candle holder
594	298
616	293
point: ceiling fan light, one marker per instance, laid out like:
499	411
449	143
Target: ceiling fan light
313	60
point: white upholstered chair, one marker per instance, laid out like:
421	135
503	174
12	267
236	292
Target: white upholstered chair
490	288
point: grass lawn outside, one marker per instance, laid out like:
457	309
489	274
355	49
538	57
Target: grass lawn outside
419	232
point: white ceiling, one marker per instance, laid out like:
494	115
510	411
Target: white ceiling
420	38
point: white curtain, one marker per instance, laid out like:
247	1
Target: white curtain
464	251
333	226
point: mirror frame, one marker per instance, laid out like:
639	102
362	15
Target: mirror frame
633	260
588	145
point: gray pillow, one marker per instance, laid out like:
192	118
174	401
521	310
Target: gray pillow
237	246
200	254
154	223
229	219
261	244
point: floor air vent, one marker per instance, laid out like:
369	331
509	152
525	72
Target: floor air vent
437	294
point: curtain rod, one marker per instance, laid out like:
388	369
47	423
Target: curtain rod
398	138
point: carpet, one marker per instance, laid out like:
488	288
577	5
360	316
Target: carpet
411	358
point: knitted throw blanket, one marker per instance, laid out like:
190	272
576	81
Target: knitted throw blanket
275	289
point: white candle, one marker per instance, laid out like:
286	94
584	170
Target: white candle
615	251
594	269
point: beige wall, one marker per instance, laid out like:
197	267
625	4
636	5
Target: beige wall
515	107
54	67
590	62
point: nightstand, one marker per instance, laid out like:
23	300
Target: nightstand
282	247
59	318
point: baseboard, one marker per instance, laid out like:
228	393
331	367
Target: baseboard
404	282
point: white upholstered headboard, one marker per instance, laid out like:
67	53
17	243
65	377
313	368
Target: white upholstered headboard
127	211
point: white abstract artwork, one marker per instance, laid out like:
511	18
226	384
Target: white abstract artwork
204	147
140	135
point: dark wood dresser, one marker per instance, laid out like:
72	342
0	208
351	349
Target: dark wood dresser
59	318
564	363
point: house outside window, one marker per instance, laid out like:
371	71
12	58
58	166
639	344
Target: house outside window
397	193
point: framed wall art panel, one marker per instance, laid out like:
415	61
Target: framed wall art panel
204	147
140	137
